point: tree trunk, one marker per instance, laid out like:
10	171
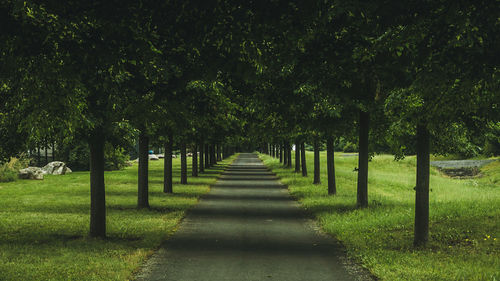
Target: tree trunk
219	156
183	163
202	159
317	173
303	159
422	187
97	188
330	166
213	155
297	157
54	151
46	152
289	148
167	167
362	197
281	152
210	156
207	156
194	168
39	156
285	154
142	188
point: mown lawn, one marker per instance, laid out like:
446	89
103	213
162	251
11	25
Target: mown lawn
44	224
464	218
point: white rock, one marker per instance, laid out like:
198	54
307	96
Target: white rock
161	155
153	157
31	173
55	168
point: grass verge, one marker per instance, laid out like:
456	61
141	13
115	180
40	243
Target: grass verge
44	224
464	218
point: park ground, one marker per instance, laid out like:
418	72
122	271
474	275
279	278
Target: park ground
464	241
44	224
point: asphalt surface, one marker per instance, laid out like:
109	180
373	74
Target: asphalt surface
248	228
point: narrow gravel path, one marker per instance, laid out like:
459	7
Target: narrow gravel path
247	228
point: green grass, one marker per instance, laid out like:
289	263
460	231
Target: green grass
44	224
464	218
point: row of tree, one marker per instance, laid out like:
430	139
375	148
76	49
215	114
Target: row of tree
421	76
111	72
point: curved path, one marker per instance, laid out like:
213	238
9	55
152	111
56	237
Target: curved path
247	228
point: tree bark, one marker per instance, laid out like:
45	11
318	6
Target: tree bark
213	155
39	156
142	187
194	168
330	166
289	147
285	154
183	163
303	159
219	156
167	167
210	155
297	157
362	194
46	153
97	188
281	152
202	159
317	173
54	151
207	156
422	187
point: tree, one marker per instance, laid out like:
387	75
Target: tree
440	92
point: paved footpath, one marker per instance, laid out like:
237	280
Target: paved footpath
247	228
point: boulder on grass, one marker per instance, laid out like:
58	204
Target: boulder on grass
56	168
153	157
174	156
31	173
161	155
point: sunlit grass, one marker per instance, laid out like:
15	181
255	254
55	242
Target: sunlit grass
464	216
44	224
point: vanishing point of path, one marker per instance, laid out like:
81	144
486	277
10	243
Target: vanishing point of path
247	228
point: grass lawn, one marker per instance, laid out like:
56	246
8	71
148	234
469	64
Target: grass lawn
464	218
44	224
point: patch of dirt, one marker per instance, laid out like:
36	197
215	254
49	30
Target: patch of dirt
462	172
461	168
